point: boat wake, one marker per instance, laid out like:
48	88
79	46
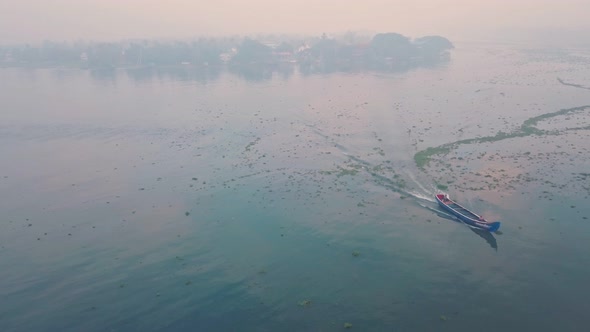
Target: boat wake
394	184
421	196
386	176
426	194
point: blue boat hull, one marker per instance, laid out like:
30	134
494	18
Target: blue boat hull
465	215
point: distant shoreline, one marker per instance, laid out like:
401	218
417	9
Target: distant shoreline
382	50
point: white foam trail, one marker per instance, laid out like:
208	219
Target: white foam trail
411	176
424	197
428	193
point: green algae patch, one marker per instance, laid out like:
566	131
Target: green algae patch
423	157
528	128
348	171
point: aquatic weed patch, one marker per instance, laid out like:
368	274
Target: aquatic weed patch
423	157
579	86
528	128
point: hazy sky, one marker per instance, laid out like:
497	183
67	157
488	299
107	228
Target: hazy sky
36	20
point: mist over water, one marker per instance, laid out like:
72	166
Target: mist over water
248	199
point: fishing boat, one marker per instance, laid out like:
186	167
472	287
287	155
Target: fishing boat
465	215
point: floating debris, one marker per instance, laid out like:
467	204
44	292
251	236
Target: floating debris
356	253
304	303
347	325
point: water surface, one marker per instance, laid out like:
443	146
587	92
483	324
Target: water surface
146	201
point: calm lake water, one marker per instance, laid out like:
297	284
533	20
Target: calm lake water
207	200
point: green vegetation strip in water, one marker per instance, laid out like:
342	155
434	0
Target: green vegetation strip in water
527	128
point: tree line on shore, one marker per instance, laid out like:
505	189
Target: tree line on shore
383	50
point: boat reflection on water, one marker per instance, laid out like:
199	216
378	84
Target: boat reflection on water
484	234
488	236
